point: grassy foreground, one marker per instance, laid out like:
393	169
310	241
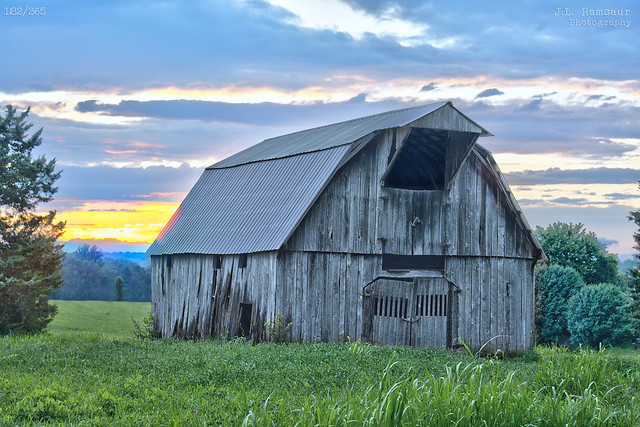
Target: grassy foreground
110	318
94	379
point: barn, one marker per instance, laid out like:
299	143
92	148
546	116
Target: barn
396	228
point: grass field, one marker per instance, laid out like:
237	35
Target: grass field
94	379
110	318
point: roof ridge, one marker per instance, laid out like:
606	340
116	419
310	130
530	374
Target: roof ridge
357	119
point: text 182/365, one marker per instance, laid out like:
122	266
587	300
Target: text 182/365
25	11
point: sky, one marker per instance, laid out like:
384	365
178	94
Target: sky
137	97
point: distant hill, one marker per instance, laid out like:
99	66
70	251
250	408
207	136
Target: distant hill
139	258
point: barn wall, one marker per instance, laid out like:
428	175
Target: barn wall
191	298
321	293
471	218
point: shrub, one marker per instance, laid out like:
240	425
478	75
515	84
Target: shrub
596	315
555	285
277	329
144	329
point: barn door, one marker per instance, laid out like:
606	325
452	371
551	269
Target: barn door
431	313
391	302
416	312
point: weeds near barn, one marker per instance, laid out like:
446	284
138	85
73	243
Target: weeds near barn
144	329
278	329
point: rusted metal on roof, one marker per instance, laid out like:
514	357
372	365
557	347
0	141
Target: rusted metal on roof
253	200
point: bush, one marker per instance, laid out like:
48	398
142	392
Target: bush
596	315
555	285
144	330
278	329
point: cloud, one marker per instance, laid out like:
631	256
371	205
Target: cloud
257	114
429	87
95	45
621	196
581	176
607	242
543	126
159	183
341	17
569	201
609	224
489	92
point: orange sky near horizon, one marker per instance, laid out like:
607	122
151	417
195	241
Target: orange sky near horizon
126	221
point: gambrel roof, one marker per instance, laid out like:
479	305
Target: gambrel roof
253	200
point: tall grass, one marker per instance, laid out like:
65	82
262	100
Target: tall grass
579	388
92	380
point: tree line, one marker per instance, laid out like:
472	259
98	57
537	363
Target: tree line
89	275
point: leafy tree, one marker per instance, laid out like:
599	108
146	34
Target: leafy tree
571	245
89	275
119	289
555	285
29	256
596	316
634	275
90	253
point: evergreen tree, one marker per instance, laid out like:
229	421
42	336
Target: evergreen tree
30	259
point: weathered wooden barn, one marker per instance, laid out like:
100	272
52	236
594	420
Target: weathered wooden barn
396	228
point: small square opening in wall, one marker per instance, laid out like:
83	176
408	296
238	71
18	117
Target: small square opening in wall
242	262
217	261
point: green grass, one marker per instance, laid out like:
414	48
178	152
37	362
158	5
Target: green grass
109	318
94	379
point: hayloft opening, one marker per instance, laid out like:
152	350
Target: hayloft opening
412	262
217	261
420	163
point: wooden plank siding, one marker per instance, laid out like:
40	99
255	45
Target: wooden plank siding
316	279
192	299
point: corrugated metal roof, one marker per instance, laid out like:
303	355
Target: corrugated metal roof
324	137
253	200
251	208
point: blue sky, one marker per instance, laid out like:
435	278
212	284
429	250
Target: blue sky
137	97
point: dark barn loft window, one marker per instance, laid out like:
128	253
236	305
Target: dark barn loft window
420	163
217	261
412	262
